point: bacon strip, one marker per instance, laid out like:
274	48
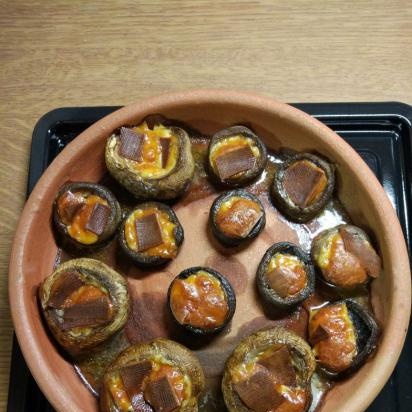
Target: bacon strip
258	392
284	281
148	231
131	144
280	367
303	182
132	378
133	375
161	395
91	313
165	145
98	219
63	287
359	247
235	161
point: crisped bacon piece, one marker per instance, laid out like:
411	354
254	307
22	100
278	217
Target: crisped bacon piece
235	161
279	365
240	219
64	286
287	282
131	144
148	231
98	219
161	395
354	243
90	313
132	378
258	392
165	145
68	204
304	182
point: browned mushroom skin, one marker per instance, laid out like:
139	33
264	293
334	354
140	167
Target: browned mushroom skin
103	219
144	257
241	165
136	357
302	186
165	186
345	258
268	293
303	363
338	363
228	291
238	218
98	312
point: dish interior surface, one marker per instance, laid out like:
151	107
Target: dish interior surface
84	160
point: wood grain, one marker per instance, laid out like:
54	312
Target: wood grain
71	53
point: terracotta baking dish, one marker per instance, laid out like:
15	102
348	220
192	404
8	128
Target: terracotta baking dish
280	125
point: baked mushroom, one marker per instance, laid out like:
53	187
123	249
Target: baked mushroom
236	216
345	257
84	303
269	371
302	186
236	156
201	300
151	234
285	275
159	376
85	214
342	335
151	163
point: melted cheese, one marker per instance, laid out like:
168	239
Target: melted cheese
77	228
199	301
338	350
151	165
323	253
161	367
230	143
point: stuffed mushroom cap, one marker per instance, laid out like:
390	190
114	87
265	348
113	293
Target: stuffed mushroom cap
84	303
269	370
151	163
236	156
160	375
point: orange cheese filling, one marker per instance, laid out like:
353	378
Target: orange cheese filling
150	165
231	143
237	216
168	249
286	274
338	350
84	294
199	301
339	267
76	226
180	384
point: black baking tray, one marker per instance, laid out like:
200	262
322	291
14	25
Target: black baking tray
380	132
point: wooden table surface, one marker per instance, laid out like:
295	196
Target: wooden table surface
77	53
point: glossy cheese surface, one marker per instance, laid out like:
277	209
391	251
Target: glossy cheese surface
76	225
199	300
294	277
150	165
337	351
